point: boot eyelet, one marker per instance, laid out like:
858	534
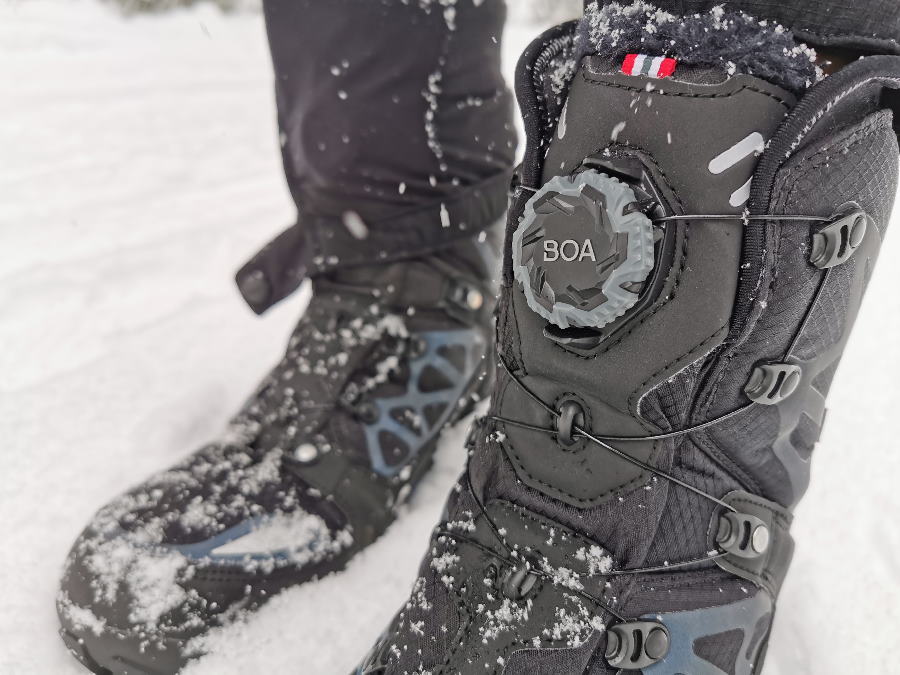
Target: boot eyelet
367	413
743	535
492	573
571	415
837	241
772	383
519	582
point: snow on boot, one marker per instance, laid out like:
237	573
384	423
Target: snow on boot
685	259
390	351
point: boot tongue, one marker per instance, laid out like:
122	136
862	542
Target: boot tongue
695	138
700	126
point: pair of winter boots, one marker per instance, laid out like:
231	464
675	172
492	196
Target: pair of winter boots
688	242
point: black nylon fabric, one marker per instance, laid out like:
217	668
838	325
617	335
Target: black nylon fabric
810	183
389	105
869	25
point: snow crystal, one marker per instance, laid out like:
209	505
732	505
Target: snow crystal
431	94
355	224
598	561
81	617
574	627
505	617
467	525
152	581
444	562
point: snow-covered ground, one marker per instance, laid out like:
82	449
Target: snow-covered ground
139	167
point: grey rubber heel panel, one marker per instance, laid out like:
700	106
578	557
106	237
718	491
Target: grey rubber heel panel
695	634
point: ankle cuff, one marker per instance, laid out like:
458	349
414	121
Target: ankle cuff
318	244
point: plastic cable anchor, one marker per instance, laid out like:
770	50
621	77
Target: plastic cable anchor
835	242
636	645
743	535
771	383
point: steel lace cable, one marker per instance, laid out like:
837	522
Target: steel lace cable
743	217
601	440
598	441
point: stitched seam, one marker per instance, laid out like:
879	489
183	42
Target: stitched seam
592	80
839	33
525	512
814	120
631	399
804	167
551	490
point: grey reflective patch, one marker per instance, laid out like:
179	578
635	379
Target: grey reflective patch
686	627
752	144
561	128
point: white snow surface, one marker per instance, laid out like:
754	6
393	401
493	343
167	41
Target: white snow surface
140	167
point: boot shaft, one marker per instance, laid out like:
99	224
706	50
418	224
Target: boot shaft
685	257
729	314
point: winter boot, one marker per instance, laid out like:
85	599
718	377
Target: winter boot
697	216
390	351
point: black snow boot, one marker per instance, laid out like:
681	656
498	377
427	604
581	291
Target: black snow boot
686	255
391	350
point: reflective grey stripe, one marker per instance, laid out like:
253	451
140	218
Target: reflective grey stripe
754	143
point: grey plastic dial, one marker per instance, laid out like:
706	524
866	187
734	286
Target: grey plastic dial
583	250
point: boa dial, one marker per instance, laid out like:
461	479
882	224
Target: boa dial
583	250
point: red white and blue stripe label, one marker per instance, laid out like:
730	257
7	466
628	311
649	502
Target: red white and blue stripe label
651	66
